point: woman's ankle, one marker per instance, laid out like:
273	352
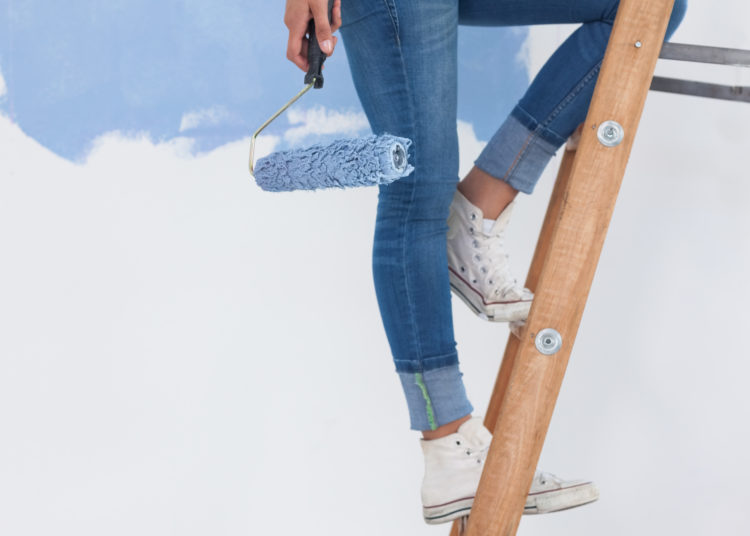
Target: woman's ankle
444	430
489	194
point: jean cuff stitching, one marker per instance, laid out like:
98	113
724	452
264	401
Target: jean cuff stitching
410	366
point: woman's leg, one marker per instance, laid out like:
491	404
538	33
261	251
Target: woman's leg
552	108
557	100
402	56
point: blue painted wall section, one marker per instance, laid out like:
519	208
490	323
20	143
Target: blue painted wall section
75	70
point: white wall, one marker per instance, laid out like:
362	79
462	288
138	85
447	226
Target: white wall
181	353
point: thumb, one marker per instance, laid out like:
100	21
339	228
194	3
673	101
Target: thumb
323	27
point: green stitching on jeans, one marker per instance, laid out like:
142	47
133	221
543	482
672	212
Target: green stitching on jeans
428	402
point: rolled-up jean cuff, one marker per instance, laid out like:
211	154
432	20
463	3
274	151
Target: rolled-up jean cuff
435	397
519	152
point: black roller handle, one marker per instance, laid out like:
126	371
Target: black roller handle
315	56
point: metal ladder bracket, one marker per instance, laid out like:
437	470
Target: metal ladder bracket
734	57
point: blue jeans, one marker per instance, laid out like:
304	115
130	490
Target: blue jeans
402	55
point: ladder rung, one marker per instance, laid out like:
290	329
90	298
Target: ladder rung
702	54
701	89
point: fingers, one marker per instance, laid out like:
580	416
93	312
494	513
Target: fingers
296	50
297	18
323	26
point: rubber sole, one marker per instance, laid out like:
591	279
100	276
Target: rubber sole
542	502
545	502
443	513
494	312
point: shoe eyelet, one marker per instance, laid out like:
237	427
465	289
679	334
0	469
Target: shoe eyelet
474	281
471	230
458	442
478	257
463	269
473	216
491	282
483	270
475	243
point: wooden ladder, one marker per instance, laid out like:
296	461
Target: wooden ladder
568	251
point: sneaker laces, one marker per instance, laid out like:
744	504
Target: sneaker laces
543	477
478	452
492	253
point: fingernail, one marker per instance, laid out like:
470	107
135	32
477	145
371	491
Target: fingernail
326	46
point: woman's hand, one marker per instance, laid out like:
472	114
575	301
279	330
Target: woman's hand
298	15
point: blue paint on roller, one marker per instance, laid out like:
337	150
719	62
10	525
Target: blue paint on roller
344	163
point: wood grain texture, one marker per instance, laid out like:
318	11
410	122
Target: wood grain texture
535	269
563	268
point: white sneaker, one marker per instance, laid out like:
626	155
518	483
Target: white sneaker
453	466
550	493
479	269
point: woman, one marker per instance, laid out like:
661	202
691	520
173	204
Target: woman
402	55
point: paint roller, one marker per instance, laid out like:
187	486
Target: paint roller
343	163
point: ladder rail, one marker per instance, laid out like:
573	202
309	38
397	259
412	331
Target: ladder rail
527	389
511	348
